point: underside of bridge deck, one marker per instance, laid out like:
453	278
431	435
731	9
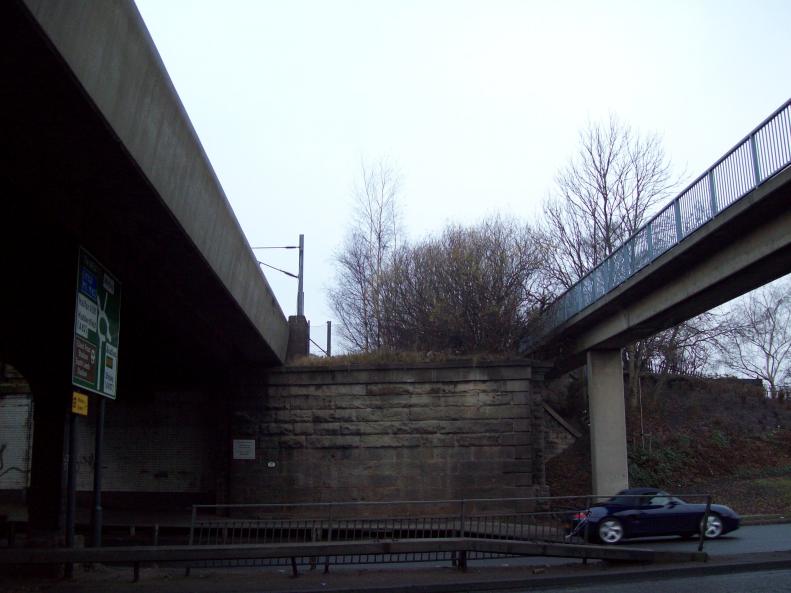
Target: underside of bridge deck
69	181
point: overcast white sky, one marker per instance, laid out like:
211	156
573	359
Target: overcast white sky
476	103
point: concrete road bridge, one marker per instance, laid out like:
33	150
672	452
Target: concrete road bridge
97	152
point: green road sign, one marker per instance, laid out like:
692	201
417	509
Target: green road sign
97	324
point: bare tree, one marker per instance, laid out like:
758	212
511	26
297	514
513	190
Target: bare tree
685	349
757	342
604	194
371	242
469	290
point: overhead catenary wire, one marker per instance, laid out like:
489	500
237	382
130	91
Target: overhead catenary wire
278	269
300	277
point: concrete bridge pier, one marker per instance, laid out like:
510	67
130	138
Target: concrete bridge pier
607	422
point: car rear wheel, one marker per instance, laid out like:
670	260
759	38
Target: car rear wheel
610	531
713	528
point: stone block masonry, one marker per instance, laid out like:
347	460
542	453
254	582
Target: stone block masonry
396	432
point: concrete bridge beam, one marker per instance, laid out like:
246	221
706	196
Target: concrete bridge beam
607	422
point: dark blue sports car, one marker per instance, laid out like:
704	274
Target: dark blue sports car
646	512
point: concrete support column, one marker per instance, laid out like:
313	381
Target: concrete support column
608	422
298	337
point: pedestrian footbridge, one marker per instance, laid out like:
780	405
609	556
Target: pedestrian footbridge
726	234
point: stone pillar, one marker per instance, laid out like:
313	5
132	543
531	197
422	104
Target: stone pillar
608	422
298	337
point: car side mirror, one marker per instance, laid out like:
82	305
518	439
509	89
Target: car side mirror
672	503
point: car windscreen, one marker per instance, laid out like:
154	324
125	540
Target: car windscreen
656	498
624	499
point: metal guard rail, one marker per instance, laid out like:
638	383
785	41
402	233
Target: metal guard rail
762	154
543	520
511	518
458	547
371	532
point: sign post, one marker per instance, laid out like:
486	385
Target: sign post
96	516
97	326
71	487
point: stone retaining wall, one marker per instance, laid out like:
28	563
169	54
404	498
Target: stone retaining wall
391	433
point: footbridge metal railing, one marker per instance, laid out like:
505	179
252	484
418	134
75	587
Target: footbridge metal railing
762	154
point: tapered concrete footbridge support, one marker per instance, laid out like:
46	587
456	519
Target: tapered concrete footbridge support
610	469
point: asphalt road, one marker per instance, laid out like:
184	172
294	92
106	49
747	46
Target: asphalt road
746	540
770	581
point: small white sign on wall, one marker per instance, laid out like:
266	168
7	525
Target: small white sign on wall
244	448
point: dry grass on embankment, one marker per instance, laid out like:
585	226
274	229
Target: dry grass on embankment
718	437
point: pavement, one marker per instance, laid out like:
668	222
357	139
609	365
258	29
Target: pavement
429	577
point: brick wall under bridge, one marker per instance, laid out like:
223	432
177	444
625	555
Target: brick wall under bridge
395	432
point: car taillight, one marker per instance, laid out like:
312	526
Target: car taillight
580	516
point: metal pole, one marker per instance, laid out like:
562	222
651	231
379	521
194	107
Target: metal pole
71	486
586	532
704	523
192	536
300	293
679	226
649	237
329	539
329	339
462	529
756	162
97	475
713	194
